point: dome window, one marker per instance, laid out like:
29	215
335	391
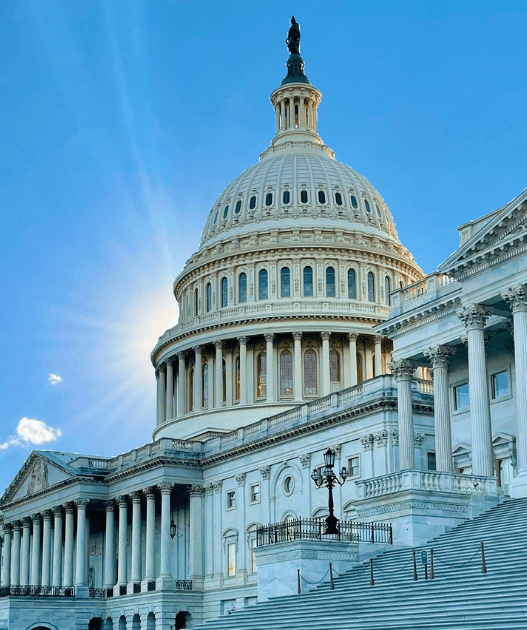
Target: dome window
371	287
367	204
321	196
262	285
261	375
303	196
216	217
286	373
226	212
352	284
242	288
238	206
224	293
209	297
287	196
308	281
310	373
252	203
354	202
338	199
330	282
285	282
269	199
387	289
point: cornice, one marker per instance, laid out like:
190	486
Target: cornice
412	320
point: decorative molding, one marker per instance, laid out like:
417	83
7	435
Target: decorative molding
196	491
217	485
265	471
473	316
240	479
165	488
305	460
367	441
439	356
418	438
516	298
403	369
411	504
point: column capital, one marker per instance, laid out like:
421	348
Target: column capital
82	504
240	479
26	522
353	336
122	501
109	505
243	340
149	492
265	471
297	336
218	344
47	515
165	488
181	355
7	527
36	518
197	349
162	367
136	497
217	485
305	460
325	335
196	491
17	526
403	369
439	356
473	316
57	510
516	298
378	338
269	337
68	508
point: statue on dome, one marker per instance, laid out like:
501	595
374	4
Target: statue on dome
293	37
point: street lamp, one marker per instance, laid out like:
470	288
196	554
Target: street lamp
329	478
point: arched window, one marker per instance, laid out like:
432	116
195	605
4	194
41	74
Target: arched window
216	217
308	281
252	203
226	212
330	282
352	284
238	206
303	196
261	375
237	368
285	282
196	303
287	196
371	287
338	199
269	199
354	201
224	292
205	383
224	373
321	196
242	288
209	297
262	285
367	204
286	373
191	389
387	289
334	367
360	371
310	373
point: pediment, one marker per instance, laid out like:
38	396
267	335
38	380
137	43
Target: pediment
504	229
36	475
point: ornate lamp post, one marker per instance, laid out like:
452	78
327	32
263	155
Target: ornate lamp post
329	478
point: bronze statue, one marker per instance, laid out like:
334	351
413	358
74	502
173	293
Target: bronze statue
293	37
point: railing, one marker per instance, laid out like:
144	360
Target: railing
37	591
151	585
314	529
423	386
431	284
98	593
183	585
98	463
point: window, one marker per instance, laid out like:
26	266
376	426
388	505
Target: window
303	196
310	373
226	212
500	384
205	393
308	281
191	390
209	297
321	196
289	485
387	289
224	292
261	375
330	282
286	373
231	559
285	282
196	303
378	212
334	367
242	288
238	206
224	371
262	285
367	204
286	196
254	494
354	466
231	499
253	556
371	287
237	378
216	217
338	199
431	461
461	397
252	203
354	201
352	284
269	199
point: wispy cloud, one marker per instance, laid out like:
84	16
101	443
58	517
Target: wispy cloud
54	379
31	431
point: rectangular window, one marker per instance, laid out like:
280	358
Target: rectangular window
231	499
461	400
354	466
500	384
431	461
255	493
231	559
254	568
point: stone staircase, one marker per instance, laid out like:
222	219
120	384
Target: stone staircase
460	597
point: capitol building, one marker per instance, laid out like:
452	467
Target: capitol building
304	325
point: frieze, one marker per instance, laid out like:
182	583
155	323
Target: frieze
412	504
306	554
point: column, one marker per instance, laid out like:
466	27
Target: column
324	372
297	367
80	558
45	579
169	403
228	377
135	577
109	546
15	555
282	114
243	370
57	547
181	385
277	111
242	540
159	398
121	545
210	376
218	373
6	556
209	530
198	379
68	545
150	534
161	383
474	318
439	357
378	355
403	371
217	513
270	367
24	561
196	534
35	551
302	112
353	358
165	577
265	471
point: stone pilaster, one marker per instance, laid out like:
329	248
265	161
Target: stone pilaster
218	373
197	536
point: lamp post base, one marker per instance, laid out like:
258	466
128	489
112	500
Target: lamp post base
331	525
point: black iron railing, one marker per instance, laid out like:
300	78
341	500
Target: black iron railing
98	593
183	585
314	529
151	586
37	591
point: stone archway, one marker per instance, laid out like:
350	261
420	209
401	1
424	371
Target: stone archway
151	621
96	623
182	619
42	626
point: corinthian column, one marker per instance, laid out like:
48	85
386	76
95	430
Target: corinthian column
169	403
24	564
196	533
378	355
15	555
181	384
474	318
297	367
198	379
403	371
35	551
218	373
150	534
438	358
243	370
270	386
80	559
325	376
109	546
68	545
57	547
6	557
353	358
161	384
123	530
517	300
46	549
165	579
136	538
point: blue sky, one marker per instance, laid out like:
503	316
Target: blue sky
122	121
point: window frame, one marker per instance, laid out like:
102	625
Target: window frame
508	395
240	276
331	268
260	272
455	408
317	373
304	294
354	271
252	494
291	380
350	466
282	269
224	292
230	500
